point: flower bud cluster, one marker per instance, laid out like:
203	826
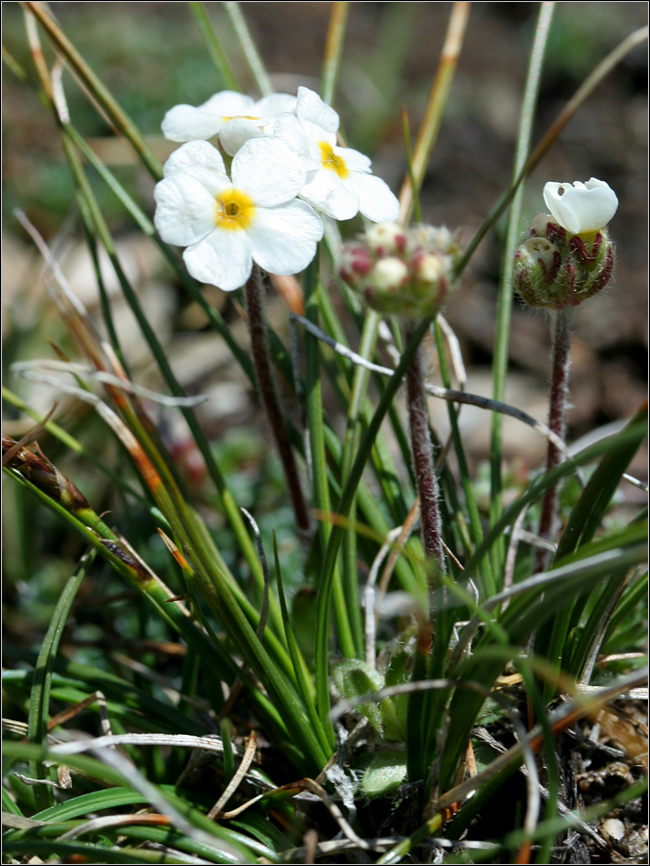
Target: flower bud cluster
401	271
555	268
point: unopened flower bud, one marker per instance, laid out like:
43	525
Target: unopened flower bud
413	269
386	239
554	268
384	284
355	264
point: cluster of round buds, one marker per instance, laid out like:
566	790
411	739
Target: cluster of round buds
401	271
567	257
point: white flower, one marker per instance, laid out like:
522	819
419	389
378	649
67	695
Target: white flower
581	207
227	224
235	117
340	182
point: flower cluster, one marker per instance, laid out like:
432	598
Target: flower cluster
567	255
402	271
286	166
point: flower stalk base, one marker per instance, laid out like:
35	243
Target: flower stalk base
423	462
255	297
562	322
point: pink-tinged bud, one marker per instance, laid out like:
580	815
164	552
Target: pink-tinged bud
355	264
386	239
412	269
554	268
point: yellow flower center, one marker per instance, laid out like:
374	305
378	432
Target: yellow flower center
234	210
332	161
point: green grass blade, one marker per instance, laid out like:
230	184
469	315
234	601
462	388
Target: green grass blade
541	484
333	50
215	48
352	438
255	63
306	688
315	417
40	693
487	585
349	491
103	96
504	300
588	513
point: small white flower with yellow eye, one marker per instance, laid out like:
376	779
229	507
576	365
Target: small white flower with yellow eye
581	208
227	224
233	116
339	182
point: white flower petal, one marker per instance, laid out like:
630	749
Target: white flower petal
222	259
290	131
581	208
272	106
317	135
238	131
311	107
186	123
268	171
328	193
354	161
284	238
376	201
229	103
199	160
185	210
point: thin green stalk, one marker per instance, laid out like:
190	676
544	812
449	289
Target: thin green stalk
385	471
561	329
318	458
304	685
375	518
251	53
541	484
101	93
40	692
504	300
107	313
487	579
417	211
352	437
266	386
215	48
347	497
333	51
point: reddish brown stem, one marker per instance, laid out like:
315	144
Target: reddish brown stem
423	462
266	383
561	359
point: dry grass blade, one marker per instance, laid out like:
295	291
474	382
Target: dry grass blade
249	754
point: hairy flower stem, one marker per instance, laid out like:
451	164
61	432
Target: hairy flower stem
255	298
561	326
423	461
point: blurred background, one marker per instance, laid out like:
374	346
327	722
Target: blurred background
152	56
